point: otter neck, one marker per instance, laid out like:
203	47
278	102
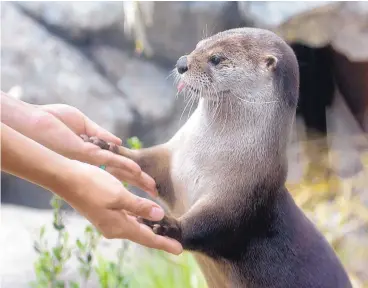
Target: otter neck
269	121
258	133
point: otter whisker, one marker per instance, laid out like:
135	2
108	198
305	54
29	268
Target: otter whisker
215	92
184	107
224	125
172	73
194	99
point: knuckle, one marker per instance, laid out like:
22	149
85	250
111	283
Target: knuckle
114	200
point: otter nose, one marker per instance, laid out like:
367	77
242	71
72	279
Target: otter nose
182	65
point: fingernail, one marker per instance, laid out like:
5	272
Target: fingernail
176	248
157	213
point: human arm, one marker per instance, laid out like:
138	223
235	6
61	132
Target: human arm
58	128
94	193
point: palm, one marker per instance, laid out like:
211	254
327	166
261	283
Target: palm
75	124
79	123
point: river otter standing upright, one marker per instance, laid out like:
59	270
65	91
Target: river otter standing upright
223	174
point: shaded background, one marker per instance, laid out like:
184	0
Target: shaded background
112	61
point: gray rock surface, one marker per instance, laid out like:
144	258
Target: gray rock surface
75	18
173	29
170	29
50	71
149	89
316	23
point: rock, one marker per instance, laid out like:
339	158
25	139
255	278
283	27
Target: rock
172	29
145	85
76	20
317	23
50	71
149	89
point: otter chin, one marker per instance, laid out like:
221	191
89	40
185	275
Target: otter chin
222	175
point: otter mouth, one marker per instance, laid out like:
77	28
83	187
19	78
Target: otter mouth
205	92
183	85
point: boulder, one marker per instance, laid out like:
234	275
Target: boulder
149	89
76	20
51	71
316	23
169	30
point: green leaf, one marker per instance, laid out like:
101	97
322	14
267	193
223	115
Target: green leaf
134	143
74	285
89	229
42	231
58	226
60	284
79	245
57	252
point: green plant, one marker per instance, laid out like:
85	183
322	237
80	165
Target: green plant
51	261
85	253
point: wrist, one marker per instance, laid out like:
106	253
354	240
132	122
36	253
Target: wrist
69	179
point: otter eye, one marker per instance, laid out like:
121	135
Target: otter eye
215	59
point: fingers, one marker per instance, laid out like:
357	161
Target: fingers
93	129
125	170
122	168
107	158
143	181
143	235
138	206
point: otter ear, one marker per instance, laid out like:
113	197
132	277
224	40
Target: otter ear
271	62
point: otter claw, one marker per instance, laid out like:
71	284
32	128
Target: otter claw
168	227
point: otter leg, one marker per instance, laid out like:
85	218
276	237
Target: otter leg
155	161
204	228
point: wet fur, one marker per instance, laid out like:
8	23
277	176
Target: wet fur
223	174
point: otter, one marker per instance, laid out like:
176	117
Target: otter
223	174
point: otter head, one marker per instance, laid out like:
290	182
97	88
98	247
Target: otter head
253	65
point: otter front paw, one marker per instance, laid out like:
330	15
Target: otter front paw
168	226
100	143
96	141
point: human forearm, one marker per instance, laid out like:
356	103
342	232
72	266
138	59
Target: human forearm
58	127
38	125
33	162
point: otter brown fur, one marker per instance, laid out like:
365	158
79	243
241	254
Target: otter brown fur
223	174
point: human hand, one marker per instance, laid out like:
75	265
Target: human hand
62	134
112	209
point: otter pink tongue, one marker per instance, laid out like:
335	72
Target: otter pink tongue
181	86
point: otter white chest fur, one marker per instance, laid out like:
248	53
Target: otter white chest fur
223	174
